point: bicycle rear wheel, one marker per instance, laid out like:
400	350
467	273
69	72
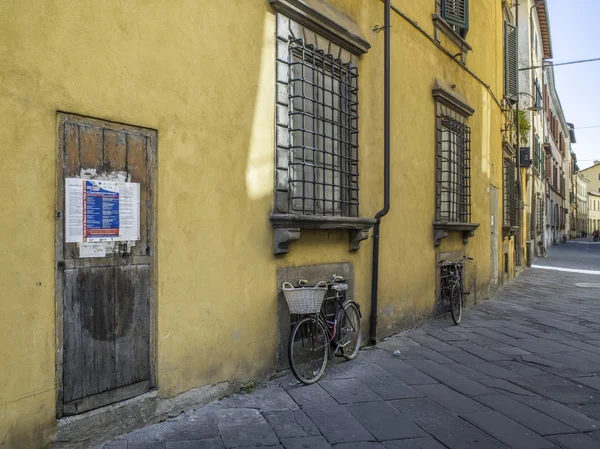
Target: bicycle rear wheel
456	304
350	331
308	350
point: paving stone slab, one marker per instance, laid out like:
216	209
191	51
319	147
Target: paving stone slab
248	435
460	356
562	413
504	386
577	362
466	371
114	445
522	369
511	350
306	443
592	381
291	424
590	410
406	373
450	399
578	441
360	445
508	431
528	416
177	429
542	380
384	421
421	410
494	371
348	391
450	378
567	394
264	399
487	354
307	395
214	443
146	445
337	424
385	385
434	356
417	443
455	433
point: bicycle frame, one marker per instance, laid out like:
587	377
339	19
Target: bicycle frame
331	327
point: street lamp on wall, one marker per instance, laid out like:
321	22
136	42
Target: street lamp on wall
533	108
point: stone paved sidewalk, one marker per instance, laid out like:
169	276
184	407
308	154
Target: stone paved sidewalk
521	372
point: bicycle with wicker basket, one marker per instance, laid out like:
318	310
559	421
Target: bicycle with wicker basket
317	337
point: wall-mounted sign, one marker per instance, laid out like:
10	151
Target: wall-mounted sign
101	211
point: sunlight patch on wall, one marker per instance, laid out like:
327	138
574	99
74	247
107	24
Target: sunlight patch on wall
486	137
259	169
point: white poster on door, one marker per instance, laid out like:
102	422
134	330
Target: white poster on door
101	210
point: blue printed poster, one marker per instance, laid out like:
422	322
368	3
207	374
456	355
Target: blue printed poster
101	209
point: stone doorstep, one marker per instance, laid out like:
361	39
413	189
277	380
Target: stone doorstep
106	423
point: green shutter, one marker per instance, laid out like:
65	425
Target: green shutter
456	12
511	71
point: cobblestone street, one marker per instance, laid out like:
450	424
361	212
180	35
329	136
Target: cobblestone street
521	371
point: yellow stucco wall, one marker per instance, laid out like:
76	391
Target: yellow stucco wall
202	74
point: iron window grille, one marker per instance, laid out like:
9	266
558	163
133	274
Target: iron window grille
510	210
540	215
538	158
323	125
453	192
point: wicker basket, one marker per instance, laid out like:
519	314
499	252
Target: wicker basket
304	300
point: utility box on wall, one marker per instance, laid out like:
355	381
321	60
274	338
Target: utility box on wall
525	157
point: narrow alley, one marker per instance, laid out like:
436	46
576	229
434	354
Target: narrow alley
521	372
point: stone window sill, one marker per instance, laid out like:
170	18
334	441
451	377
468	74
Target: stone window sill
289	226
440	24
440	231
509	230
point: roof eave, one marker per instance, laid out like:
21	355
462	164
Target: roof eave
543	18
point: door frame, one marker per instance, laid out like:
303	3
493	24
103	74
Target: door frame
59	280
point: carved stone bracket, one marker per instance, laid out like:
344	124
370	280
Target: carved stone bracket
283	238
357	236
440	231
288	228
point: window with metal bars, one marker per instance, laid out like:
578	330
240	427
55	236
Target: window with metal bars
540	215
453	192
323	125
510	211
538	158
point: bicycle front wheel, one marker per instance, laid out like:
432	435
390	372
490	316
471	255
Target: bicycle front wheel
308	350
350	331
456	304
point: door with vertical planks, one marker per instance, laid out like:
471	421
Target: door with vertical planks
105	301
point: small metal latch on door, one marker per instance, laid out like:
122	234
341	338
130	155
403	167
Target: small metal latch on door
122	249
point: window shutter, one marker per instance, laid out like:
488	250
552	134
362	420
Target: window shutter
511	71
456	12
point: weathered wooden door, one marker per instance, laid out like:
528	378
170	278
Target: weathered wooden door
105	302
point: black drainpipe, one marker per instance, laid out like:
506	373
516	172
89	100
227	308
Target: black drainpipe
386	177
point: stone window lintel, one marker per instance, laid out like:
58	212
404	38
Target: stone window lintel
327	21
446	94
440	24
